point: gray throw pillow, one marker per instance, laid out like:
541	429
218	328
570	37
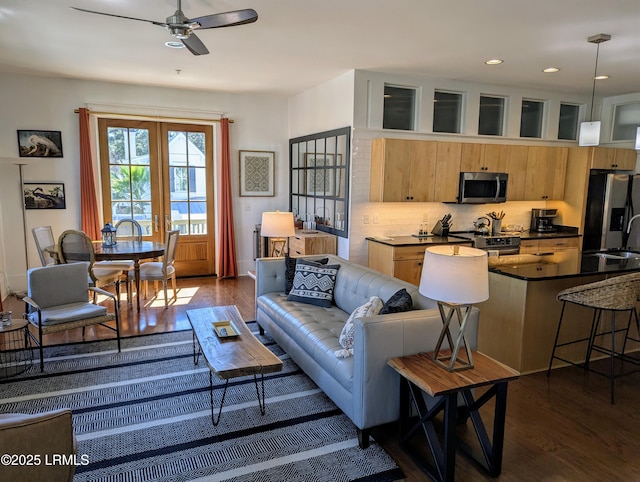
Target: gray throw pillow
399	302
313	283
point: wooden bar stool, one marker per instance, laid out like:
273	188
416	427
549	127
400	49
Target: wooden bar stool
614	295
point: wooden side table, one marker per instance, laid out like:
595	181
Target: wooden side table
423	379
16	353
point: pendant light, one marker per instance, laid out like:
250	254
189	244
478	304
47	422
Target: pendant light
590	131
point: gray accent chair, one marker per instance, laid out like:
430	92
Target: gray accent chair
58	300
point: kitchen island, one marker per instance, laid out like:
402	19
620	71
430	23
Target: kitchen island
402	256
518	322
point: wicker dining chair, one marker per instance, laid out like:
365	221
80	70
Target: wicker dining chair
614	295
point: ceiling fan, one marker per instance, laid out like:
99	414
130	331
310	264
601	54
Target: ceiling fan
182	27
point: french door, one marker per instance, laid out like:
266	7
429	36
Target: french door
161	175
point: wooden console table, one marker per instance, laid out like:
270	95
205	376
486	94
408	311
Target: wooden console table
420	375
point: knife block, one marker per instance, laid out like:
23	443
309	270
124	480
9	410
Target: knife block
440	230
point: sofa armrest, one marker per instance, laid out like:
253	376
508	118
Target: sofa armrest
40	435
378	338
270	276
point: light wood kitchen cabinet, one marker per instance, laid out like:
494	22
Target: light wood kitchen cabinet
516	167
414	171
483	157
316	242
546	173
447	179
612	158
402	170
402	262
548	245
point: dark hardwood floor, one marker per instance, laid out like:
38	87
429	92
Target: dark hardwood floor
561	428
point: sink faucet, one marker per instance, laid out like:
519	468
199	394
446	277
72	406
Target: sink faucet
631	222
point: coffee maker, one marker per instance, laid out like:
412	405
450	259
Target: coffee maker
542	220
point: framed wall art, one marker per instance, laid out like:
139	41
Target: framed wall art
44	195
40	143
257	171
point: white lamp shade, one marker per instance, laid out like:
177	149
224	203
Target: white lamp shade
461	278
638	139
589	134
277	225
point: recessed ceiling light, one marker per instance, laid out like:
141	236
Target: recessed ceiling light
551	70
601	77
494	62
174	45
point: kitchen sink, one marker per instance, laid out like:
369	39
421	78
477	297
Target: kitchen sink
619	255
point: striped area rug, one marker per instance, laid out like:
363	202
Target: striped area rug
144	414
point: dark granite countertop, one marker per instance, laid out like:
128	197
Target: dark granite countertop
415	241
563	264
562	232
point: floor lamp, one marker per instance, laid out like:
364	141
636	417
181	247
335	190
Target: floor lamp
279	227
456	277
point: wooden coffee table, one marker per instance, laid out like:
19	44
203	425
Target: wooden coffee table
234	355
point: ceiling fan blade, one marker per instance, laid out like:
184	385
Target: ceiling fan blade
195	45
162	24
227	19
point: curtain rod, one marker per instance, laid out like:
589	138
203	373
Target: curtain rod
231	121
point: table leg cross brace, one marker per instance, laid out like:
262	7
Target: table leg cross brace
443	453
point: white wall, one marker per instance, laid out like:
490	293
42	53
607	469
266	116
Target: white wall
40	103
325	107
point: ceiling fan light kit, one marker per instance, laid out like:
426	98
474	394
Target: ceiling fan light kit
590	131
181	27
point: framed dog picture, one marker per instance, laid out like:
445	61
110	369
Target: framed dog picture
40	143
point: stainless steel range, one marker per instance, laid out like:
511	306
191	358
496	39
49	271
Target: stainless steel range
503	244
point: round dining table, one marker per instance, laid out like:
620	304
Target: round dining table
130	250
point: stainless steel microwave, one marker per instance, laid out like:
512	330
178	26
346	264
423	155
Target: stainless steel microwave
482	187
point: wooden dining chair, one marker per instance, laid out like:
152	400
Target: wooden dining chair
129	230
43	236
76	247
161	270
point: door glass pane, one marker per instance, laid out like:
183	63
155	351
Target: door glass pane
447	112
399	108
491	118
187	181
531	120
568	122
129	174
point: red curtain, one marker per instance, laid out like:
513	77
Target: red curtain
88	199
228	266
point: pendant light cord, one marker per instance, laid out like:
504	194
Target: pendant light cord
595	74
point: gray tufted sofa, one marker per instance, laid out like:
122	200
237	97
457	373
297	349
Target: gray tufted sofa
363	386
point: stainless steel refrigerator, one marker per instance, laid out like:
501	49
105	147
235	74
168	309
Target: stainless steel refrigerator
612	200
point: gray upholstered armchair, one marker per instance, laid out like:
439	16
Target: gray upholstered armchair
58	300
40	436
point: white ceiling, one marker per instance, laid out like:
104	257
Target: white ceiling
296	44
